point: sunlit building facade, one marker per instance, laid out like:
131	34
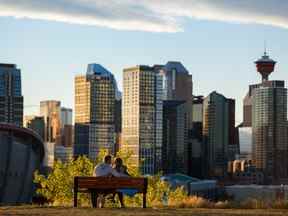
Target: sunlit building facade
51	111
95	95
142	117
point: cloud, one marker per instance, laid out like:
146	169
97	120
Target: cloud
148	15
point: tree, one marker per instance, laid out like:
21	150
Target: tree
58	185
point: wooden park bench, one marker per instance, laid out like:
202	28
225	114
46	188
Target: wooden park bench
107	185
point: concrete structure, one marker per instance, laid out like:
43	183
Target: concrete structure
268	193
11	99
175	137
95	95
142	117
35	123
21	154
51	111
217	123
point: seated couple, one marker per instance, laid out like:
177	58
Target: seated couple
106	169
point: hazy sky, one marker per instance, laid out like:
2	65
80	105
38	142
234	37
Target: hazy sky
217	41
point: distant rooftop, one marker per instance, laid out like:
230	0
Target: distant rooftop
265	59
97	69
7	65
174	65
180	177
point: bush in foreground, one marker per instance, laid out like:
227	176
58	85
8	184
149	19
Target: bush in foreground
58	185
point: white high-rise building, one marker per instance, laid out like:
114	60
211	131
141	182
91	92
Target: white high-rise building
142	117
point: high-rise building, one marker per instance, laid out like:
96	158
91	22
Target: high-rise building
269	124
175	137
66	116
67	136
177	86
95	95
11	99
67	128
142	117
233	141
177	82
265	66
196	150
51	111
118	123
216	128
35	123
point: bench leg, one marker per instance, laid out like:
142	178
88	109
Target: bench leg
94	197
144	200
75	198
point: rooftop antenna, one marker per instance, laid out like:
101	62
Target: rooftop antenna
265	48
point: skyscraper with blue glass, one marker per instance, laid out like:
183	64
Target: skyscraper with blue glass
11	99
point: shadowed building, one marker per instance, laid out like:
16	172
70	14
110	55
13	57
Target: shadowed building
174	137
217	124
177	86
21	154
196	150
35	123
11	99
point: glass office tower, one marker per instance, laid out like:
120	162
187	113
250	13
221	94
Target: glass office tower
11	99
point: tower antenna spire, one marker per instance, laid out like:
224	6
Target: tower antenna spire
265	48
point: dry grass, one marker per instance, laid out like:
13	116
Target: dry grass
62	211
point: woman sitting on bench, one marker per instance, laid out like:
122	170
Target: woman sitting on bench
105	169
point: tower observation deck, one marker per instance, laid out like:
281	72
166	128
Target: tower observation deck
265	66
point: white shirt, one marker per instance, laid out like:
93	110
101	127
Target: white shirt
104	169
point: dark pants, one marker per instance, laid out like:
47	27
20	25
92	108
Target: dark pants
95	195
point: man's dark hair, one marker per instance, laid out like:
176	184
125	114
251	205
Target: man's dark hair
107	158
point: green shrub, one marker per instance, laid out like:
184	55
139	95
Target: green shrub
58	185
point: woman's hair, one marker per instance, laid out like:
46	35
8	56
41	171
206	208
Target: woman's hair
118	161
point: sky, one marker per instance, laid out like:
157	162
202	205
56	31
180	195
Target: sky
51	41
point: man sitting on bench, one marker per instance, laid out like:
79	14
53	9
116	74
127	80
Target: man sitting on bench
105	169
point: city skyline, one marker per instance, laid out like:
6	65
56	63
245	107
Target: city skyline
49	50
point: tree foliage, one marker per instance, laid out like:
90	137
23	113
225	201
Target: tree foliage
58	185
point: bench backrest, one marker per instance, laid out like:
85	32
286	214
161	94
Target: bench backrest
111	183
